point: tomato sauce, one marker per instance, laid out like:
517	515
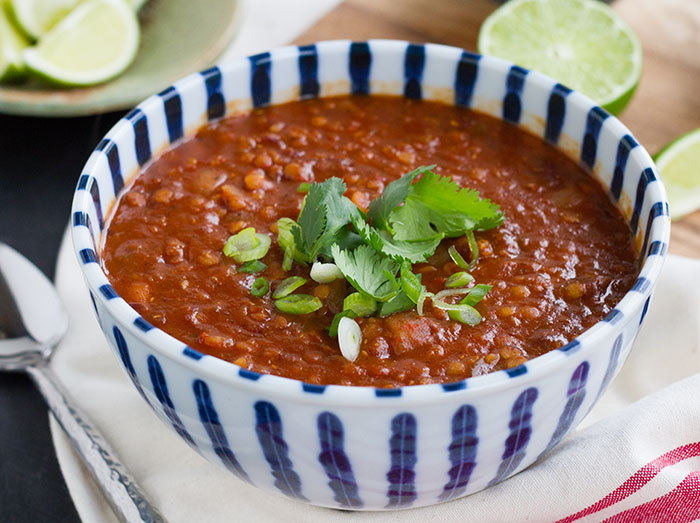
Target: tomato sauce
559	263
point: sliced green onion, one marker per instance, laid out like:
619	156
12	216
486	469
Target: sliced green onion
298	304
304	187
450	292
260	287
457	258
424	294
440	303
288	286
466	314
473	249
476	294
459	279
398	303
333	329
252	266
288	259
285	239
325	272
247	245
349	338
463	311
359	304
443	305
259	251
410	283
243	241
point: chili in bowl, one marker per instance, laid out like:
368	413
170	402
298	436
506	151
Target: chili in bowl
370	275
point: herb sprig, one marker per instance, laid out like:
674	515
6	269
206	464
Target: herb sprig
375	251
323	220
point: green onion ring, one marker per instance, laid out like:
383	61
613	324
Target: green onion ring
298	304
260	287
288	286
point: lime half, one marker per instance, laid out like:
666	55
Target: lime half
679	166
583	44
94	43
11	45
36	17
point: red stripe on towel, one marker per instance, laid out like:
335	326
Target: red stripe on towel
672	505
681	505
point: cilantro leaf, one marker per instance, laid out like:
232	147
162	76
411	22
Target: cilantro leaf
322	218
382	242
347	239
367	271
438	205
309	227
444	195
340	208
393	195
398	303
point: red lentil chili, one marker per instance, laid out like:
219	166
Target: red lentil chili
559	263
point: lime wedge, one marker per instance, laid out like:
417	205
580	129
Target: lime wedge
94	43
36	17
11	45
679	166
583	44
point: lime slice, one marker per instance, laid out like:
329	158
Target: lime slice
679	166
583	44
94	43
11	45
36	17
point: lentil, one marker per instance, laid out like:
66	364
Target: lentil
255	179
574	290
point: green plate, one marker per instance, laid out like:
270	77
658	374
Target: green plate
178	37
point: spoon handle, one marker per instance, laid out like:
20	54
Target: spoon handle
121	490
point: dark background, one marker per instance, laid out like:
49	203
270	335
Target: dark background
40	161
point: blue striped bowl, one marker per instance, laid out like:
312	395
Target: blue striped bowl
360	447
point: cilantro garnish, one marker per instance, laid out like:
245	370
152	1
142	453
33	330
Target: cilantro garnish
394	194
367	271
398	303
375	252
323	219
437	205
382	242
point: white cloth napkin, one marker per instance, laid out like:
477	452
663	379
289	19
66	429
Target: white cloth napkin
646	427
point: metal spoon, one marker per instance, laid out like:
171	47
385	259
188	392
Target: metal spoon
32	322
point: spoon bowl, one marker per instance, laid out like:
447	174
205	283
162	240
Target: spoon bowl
32	318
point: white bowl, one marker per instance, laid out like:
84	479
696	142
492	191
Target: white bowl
360	447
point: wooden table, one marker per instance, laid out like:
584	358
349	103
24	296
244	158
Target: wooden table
667	101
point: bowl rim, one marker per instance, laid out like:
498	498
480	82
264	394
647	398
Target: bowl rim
271	385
